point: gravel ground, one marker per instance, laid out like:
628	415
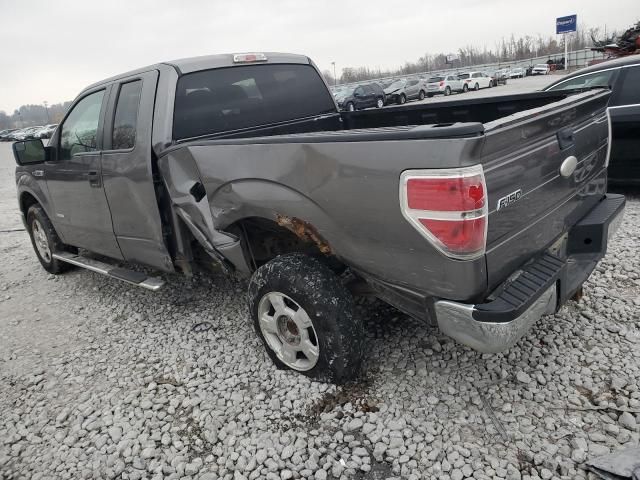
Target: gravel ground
102	380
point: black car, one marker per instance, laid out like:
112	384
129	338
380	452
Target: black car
363	96
623	77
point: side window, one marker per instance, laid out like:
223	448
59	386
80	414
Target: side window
630	91
126	117
596	79
359	91
79	131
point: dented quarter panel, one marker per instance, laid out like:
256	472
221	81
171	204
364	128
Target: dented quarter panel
346	192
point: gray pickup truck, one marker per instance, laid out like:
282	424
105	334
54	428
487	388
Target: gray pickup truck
478	215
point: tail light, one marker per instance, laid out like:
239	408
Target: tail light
448	207
442	83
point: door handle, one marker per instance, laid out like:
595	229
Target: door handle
94	178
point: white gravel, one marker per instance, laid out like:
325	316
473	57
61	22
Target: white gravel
102	380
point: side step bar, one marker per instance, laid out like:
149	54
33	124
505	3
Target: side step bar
129	276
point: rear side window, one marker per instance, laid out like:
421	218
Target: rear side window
226	99
126	117
630	91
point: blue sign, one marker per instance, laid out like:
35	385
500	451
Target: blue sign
566	24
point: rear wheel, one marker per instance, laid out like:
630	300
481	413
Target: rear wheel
491	84
465	88
447	91
476	87
351	107
45	240
421	95
305	318
379	103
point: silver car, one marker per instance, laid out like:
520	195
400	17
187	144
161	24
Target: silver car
405	89
445	85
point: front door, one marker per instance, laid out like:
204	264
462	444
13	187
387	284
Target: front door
74	178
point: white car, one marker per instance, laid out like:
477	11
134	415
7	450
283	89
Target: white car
517	73
476	80
445	84
541	69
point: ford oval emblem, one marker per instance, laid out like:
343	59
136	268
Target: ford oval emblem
568	166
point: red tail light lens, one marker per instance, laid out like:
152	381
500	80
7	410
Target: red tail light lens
442	83
448	207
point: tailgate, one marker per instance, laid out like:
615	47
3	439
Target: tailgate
531	202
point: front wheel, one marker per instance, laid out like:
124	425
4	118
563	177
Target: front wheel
45	240
402	99
305	318
351	107
476	87
421	95
380	103
465	88
447	91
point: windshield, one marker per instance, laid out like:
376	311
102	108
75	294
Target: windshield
397	84
597	79
435	79
227	99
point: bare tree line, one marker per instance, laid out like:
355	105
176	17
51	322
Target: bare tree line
506	50
31	115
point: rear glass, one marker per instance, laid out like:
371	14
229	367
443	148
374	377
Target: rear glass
225	99
435	79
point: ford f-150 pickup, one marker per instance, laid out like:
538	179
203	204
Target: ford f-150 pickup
478	215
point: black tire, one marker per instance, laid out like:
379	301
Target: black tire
402	99
465	88
351	107
476	87
447	91
491	84
380	102
421	95
327	303
37	219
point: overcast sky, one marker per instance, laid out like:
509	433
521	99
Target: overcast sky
50	50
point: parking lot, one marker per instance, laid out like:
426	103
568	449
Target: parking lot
102	380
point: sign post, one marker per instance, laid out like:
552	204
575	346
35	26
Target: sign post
566	25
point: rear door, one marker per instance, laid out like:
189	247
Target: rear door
532	202
74	177
624	110
128	171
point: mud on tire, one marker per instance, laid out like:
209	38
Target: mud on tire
327	303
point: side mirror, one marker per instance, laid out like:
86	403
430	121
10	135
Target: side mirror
27	152
356	94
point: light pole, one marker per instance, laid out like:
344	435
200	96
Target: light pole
46	110
335	80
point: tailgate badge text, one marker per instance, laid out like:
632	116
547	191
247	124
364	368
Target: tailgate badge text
509	199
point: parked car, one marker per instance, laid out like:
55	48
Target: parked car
46	131
517	72
193	168
445	85
476	80
5	134
622	76
541	69
363	96
405	89
499	77
26	133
